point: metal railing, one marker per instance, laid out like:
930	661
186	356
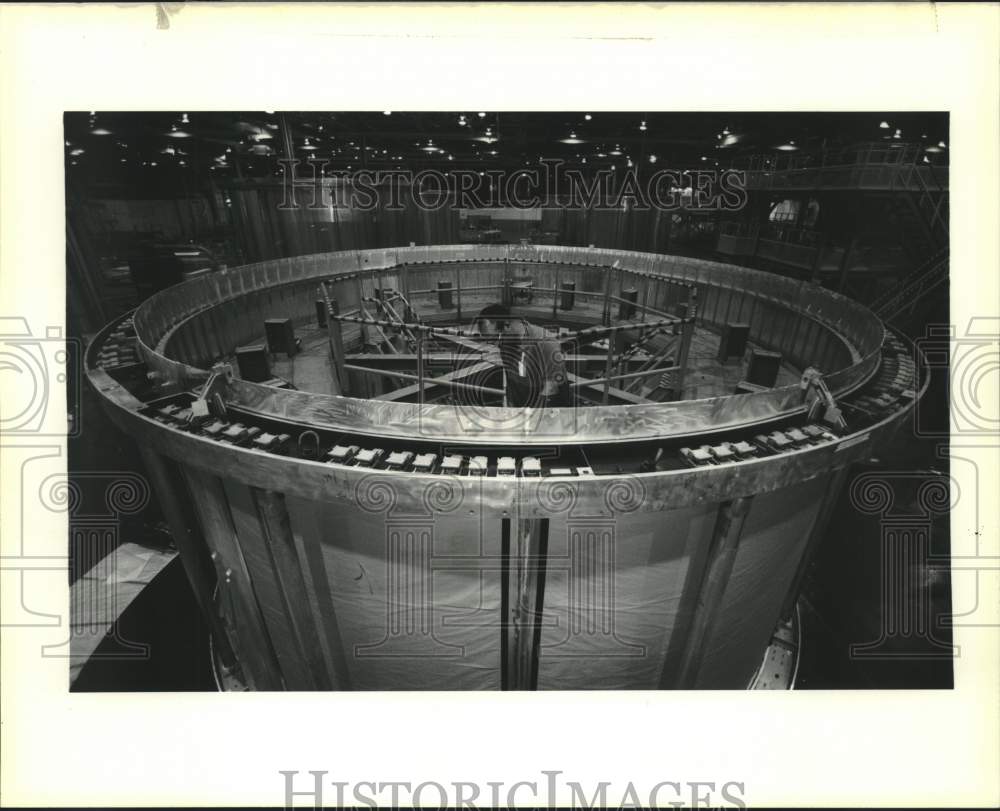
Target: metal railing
866	165
913	288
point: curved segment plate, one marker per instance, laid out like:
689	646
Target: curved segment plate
855	329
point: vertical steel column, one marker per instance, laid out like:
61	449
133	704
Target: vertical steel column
832	496
277	531
193	550
507	679
525	600
404	280
458	294
256	651
606	309
335	338
719	566
555	292
420	368
687	333
607	365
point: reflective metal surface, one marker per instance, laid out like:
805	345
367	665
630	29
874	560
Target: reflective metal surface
211	315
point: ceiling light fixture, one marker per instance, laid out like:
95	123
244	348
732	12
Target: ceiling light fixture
587	117
884	125
642	126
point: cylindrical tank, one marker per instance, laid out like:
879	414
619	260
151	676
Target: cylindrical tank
358	540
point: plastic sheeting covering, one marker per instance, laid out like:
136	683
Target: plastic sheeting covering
771	545
416	599
613	589
101	596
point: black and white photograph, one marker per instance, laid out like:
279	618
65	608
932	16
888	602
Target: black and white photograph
499	405
479	400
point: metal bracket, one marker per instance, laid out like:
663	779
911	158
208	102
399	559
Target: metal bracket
820	399
211	399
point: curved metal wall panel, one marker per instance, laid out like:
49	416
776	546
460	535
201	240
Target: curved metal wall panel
770	549
415	597
614	597
331	576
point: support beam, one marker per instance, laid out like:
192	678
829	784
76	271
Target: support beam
428	382
687	334
719	566
659	370
335	338
584	386
830	499
606	306
607	367
256	652
287	567
526	585
458	374
193	550
420	371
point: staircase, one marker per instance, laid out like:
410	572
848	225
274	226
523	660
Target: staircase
913	288
921	208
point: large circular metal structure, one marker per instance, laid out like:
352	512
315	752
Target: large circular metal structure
392	529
